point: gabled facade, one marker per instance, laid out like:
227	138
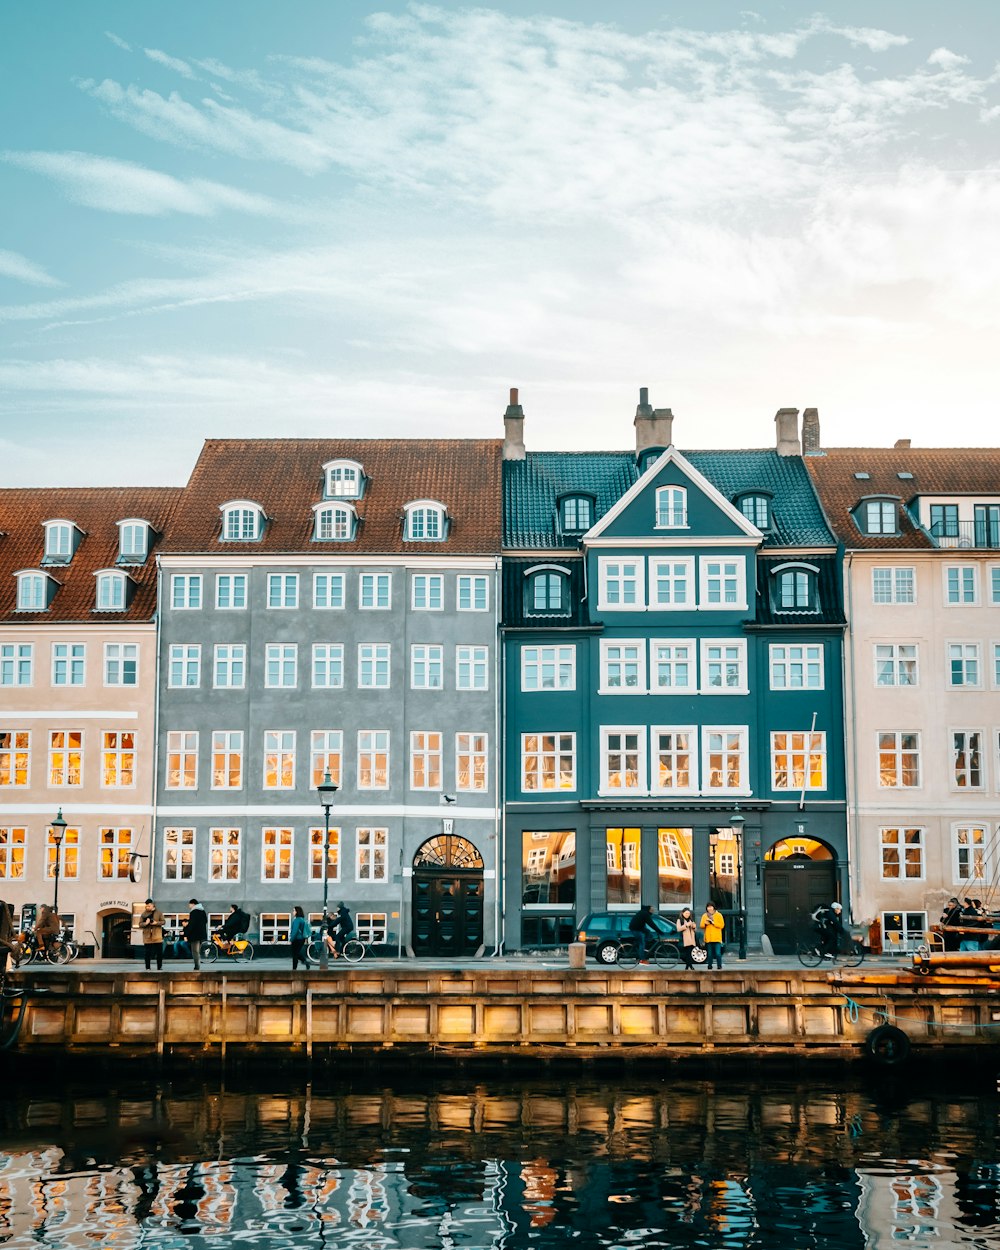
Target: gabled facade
77	691
672	685
330	607
921	532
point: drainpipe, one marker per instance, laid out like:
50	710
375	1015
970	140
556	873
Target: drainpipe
850	687
156	719
499	815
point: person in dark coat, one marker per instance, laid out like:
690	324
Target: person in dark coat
298	936
951	919
196	930
641	924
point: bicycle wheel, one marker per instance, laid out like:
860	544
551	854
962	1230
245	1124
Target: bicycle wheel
243	952
313	952
354	951
57	953
666	955
854	955
628	954
810	956
209	952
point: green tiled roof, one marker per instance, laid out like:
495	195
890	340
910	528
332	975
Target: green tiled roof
531	488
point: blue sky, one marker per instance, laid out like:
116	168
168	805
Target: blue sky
244	218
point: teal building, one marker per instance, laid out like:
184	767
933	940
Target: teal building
672	680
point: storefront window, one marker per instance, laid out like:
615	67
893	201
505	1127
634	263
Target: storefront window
674	866
624	878
538	929
548	867
724	869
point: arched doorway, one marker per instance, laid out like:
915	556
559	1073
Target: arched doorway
800	874
116	935
447	897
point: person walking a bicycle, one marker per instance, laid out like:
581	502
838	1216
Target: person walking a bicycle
641	924
342	924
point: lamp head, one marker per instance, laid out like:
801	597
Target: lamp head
326	790
58	826
737	820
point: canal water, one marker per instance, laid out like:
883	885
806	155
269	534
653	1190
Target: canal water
628	1159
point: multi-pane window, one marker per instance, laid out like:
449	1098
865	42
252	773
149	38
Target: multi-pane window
282	590
185	590
279	759
373	665
880	516
797	667
967	759
996	664
111	592
66	757
373	759
327	665
372	927
471	761
31	594
671	507
623	666
902	854
15	663
12	852
184	665
673	667
281	662
372	859
963	664
15	753
725	759
230	666
317	837
624	767
335	524
182	760
798	761
375	590
273	927
961	584
343	480
227	759
224	854
756	510
674	760
115	854
472	668
795	590
895	664
473	593
972	854
178	854
425	523
899	759
68	663
276	854
427	592
944	520
548	668
547	592
241	523
577	511
231	591
548	761
328	590
995	583
121	663
671	583
118	759
58	540
67	852
622	583
722	583
325	756
425	761
723	667
426	667
893	585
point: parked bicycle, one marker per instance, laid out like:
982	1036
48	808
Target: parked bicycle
354	950
812	952
239	949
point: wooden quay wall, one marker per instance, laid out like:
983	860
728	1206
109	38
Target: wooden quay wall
482	1012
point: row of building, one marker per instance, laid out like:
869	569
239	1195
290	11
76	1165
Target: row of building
543	683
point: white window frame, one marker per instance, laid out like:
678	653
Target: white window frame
563	746
667	651
969	659
129	549
279	746
15	759
472	592
371	854
726	646
17	664
426	753
13	852
427	592
793	746
742	733
895	584
969	749
119	844
283	843
281	661
184	666
223	852
472	755
617	657
896	658
32	594
472	667
900	844
426	666
737	572
328	666
671	507
782	659
184	842
374	663
229	663
977	850
993	572
621	732
537	658
182	746
66	751
371	587
282	591
370	748
621	572
317	839
237	587
331	588
334	522
961	590
326	755
693	753
425	515
117	759
185	592
897	751
228	744
59	544
338	484
242	521
69	659
117	654
676	571
111	592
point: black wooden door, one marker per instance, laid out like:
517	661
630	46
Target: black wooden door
447	913
793	889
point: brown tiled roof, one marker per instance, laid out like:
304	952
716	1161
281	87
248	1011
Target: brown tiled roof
285	477
95	511
936	471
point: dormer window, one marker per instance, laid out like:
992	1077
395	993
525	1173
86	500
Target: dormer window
878	516
547	591
426	522
671	507
343	479
61	541
242	521
112	593
576	513
335	523
795	588
757	510
34	591
133	541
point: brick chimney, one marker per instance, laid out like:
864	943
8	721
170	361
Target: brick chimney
787	422
811	445
653	426
902	444
513	429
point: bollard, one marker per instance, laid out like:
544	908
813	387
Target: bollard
577	954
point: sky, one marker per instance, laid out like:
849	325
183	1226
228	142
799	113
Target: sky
249	219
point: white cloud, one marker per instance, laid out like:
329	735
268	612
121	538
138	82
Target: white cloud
14	265
117	41
861	36
171	62
946	59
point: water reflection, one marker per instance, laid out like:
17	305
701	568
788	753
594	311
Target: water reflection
465	1164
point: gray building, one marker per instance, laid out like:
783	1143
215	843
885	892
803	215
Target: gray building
330	606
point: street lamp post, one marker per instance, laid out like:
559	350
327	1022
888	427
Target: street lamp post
58	827
737	821
326	790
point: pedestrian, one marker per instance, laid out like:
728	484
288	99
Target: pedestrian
196	931
712	925
951	919
298	935
151	925
641	924
972	915
688	931
7	944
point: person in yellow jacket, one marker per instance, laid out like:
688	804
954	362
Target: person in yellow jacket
712	925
